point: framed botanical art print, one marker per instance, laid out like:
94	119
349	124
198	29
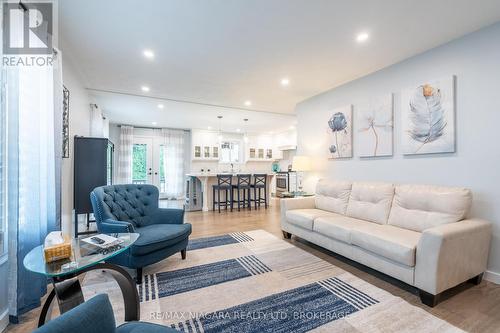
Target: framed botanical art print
374	127
340	132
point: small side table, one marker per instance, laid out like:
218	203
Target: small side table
85	257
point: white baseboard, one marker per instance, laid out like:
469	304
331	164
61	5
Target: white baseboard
4	320
492	277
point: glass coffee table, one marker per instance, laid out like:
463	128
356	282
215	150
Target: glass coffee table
85	257
296	194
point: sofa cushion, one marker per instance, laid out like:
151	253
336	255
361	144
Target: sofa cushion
339	227
370	201
158	236
304	218
332	196
419	207
391	242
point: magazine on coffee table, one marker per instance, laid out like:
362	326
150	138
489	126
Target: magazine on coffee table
102	240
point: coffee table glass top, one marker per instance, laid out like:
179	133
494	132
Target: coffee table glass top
296	194
83	255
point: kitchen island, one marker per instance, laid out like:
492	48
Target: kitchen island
209	179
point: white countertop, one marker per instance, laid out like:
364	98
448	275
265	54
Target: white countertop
212	174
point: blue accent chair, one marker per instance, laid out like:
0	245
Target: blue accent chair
96	315
134	208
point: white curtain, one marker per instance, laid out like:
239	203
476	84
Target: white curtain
32	173
125	155
173	162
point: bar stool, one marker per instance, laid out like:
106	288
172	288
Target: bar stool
224	183
259	183
243	183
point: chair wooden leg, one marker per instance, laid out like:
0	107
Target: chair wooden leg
231	199
238	197
255	197
138	276
183	254
286	235
213	199
428	299
218	199
249	201
225	199
265	197
476	279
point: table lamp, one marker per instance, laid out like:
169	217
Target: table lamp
300	164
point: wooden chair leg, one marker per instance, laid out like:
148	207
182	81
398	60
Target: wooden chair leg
231	199
218	198
476	279
255	197
213	199
428	299
225	198
238	196
183	254
249	192
138	276
265	197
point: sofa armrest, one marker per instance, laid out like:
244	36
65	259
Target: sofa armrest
110	226
295	203
168	216
452	253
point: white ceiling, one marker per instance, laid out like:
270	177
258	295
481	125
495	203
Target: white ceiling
223	52
143	111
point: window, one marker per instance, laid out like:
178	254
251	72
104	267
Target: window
163	185
139	164
230	152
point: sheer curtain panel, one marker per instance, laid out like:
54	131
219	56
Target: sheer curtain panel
32	203
173	162
125	155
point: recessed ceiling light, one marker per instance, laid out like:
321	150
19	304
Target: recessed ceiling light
161	106
154	123
292	127
362	37
148	54
285	82
209	127
238	130
248	103
145	88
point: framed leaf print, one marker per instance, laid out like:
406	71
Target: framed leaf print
428	117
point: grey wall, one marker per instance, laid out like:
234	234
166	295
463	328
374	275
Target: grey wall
475	60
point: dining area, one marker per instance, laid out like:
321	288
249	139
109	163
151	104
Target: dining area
230	191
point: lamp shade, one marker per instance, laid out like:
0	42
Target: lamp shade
301	163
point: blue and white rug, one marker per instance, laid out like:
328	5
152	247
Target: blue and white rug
256	282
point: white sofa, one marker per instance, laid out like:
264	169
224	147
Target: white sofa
418	234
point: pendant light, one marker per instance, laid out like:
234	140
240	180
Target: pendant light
245	136
220	130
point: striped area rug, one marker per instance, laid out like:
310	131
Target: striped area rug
255	282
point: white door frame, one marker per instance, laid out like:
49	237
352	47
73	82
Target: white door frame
154	146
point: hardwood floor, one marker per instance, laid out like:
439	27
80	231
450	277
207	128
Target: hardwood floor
471	308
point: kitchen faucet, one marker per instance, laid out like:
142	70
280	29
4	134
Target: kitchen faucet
232	168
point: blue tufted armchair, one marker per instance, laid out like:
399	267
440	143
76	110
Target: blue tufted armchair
134	208
96	315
